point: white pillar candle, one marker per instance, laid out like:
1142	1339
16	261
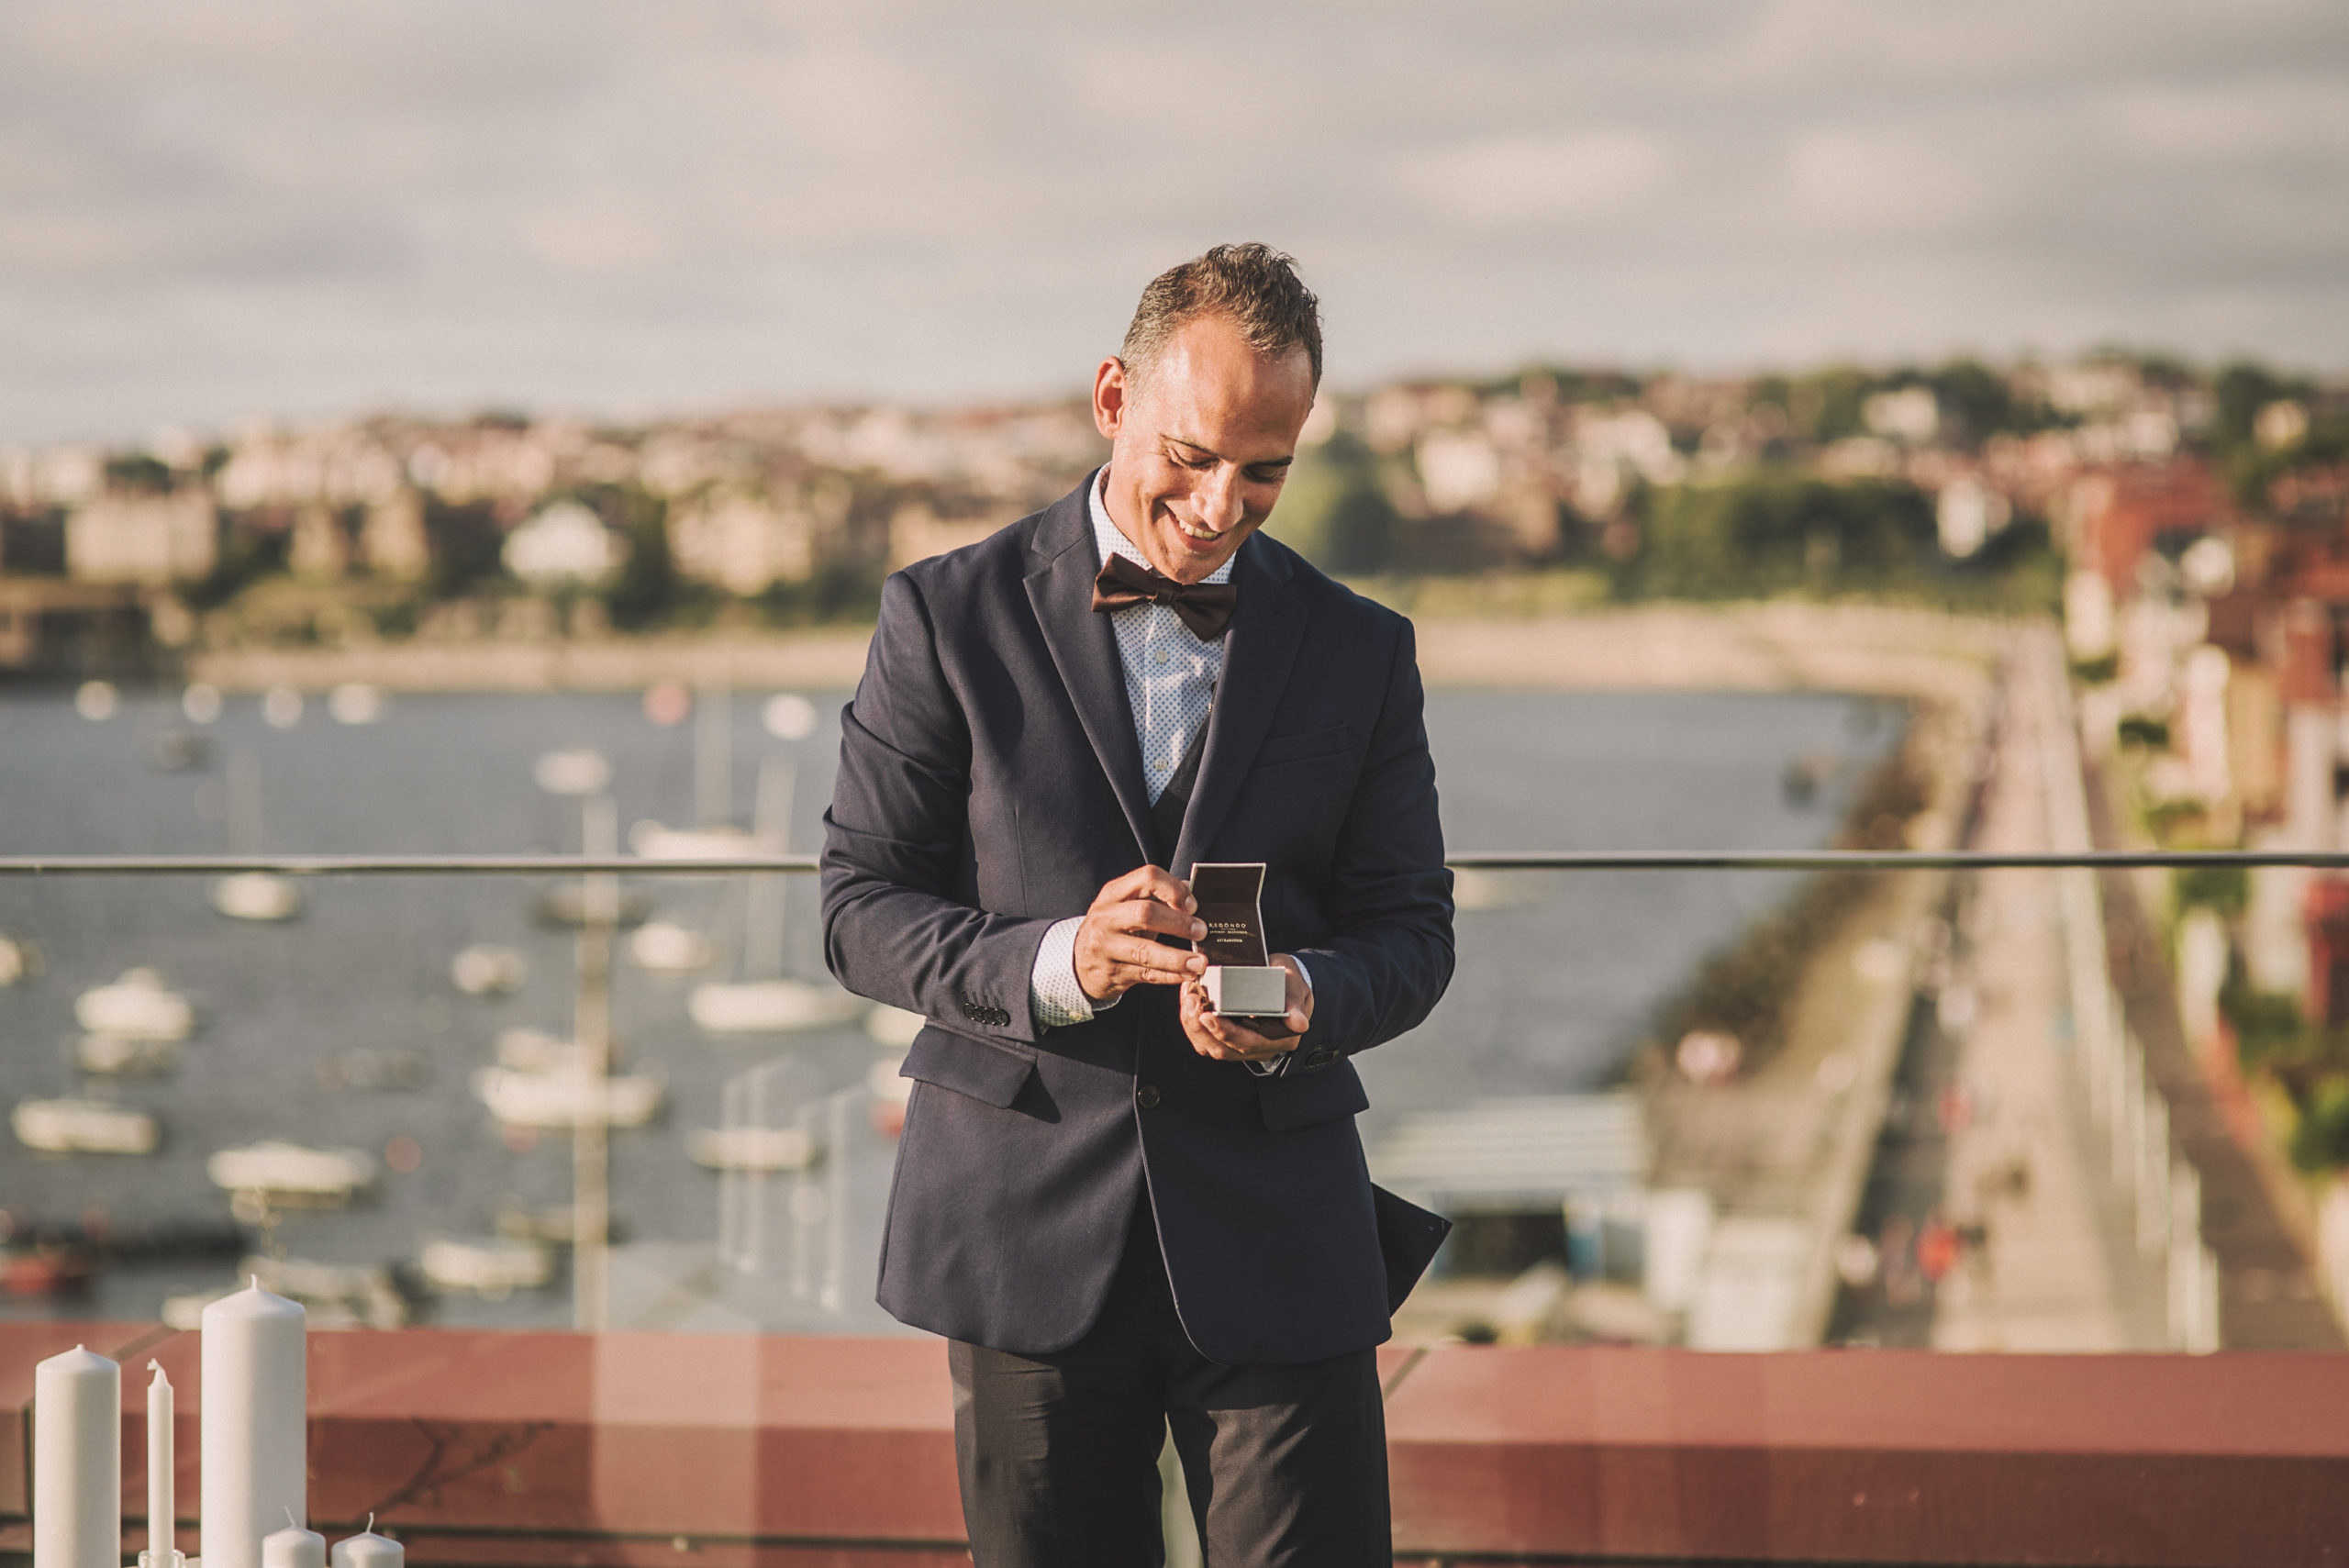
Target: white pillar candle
254	1400
77	1461
160	1504
293	1547
368	1550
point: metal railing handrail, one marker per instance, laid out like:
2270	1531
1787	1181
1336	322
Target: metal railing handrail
1469	859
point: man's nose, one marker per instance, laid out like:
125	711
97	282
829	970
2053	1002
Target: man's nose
1218	499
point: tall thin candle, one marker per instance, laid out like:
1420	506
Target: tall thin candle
77	1461
160	1550
255	1448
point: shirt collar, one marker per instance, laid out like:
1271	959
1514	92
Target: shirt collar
1110	539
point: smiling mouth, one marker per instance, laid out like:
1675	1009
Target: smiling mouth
1204	535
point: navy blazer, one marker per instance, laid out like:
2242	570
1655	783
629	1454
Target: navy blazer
990	784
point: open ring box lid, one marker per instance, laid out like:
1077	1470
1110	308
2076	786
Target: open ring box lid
1241	981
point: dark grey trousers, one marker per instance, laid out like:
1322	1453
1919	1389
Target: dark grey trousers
1058	1454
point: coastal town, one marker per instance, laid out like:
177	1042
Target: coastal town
2186	533
1962	485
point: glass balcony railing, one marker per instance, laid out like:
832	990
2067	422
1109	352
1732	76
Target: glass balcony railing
1962	1085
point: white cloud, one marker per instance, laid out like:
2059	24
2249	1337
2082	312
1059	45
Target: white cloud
1540	181
1860	185
2289	117
215	206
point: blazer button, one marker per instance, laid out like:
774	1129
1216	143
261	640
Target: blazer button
1321	1058
1147	1096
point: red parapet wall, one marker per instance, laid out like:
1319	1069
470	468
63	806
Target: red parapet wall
632	1450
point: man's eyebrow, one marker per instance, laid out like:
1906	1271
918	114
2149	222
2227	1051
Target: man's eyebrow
1205	451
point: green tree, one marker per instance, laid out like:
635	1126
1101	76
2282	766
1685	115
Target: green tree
1975	403
1334	512
1771	532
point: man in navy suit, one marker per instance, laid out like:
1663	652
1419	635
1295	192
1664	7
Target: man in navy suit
1127	1212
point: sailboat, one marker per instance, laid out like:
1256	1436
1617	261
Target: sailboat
540	1080
567	1096
251	895
291	1174
664	947
774	1004
485	969
82	1127
494	1266
715	837
136	1006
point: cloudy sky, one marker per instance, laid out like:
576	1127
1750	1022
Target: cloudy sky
210	212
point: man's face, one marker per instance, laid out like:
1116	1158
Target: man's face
1197	452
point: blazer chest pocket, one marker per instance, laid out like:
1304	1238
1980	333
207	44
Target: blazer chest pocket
980	1068
1303	747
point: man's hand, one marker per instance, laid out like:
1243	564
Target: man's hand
1117	947
1228	1040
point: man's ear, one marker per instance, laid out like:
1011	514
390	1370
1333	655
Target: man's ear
1110	393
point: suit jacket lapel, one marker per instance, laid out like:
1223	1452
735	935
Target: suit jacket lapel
1267	626
1084	651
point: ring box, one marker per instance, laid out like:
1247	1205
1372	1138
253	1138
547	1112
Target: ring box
1241	981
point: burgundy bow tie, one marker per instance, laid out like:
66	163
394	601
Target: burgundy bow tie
1206	608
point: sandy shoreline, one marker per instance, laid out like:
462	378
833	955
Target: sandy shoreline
1764	647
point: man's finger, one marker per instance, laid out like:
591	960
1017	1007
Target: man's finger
1153	883
1149	915
1152	959
1243	1039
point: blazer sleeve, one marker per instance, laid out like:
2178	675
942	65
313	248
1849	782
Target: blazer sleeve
1390	955
896	840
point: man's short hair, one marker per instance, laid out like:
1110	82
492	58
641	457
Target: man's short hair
1252	286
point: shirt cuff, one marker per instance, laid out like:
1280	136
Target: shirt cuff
1272	1069
1054	994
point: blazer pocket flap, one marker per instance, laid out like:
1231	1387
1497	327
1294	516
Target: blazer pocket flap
1407	1238
984	1070
1329	741
1300	1099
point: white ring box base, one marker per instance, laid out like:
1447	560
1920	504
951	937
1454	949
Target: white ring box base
1246	992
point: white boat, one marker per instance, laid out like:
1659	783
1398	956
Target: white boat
1480	891
566	904
751	1149
664	947
257	895
652	841
567	1099
771	1007
525	1049
293	1173
487	970
136	1006
333	1295
715	837
82	1127
577	771
492	1266
356	702
893	1028
110	1056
